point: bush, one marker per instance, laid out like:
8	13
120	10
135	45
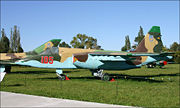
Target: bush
177	57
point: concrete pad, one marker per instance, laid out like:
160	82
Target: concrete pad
21	100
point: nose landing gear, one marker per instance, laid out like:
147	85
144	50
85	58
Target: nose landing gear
61	76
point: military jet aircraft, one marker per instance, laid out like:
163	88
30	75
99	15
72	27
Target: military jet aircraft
49	55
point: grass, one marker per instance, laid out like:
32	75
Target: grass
137	87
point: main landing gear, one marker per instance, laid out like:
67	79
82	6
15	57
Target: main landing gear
99	73
8	69
152	65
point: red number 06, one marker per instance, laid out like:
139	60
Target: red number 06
46	59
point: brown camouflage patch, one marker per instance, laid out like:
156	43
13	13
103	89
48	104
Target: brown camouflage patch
141	47
82	57
68	52
137	60
12	55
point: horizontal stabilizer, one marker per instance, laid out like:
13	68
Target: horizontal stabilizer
112	60
133	54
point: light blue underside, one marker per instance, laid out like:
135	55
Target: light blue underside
105	62
151	59
56	64
2	68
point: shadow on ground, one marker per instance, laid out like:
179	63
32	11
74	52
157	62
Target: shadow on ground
147	78
12	85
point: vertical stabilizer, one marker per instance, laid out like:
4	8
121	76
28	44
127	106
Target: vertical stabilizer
152	42
49	44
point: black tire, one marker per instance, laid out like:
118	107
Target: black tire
150	66
105	77
63	77
8	69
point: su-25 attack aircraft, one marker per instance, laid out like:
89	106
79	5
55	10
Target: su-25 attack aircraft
49	55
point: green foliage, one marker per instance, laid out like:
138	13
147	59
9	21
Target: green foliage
1	48
11	42
134	46
14	39
15	44
175	47
177	57
19	49
84	42
64	44
92	43
139	87
4	42
165	49
10	50
123	48
140	36
79	41
127	44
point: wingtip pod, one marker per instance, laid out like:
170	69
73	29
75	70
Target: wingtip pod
50	43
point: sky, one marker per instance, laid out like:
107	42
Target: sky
107	21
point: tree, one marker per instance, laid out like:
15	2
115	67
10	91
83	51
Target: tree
177	57
127	44
140	36
19	48
79	41
175	47
1	48
15	44
4	42
11	42
165	49
123	48
134	46
64	44
92	43
84	42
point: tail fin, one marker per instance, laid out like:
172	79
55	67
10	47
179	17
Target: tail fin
49	44
152	42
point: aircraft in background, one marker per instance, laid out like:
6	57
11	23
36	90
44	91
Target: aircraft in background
49	55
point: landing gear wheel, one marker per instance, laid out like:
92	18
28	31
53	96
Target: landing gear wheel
8	69
105	77
62	77
150	66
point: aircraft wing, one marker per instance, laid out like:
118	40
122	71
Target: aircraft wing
130	58
131	54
